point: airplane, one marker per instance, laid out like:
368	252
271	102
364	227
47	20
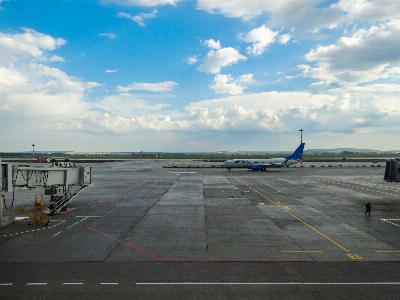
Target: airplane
262	164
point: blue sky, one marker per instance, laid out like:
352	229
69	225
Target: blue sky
199	75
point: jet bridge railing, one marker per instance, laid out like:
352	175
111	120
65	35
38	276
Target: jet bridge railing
65	176
42	176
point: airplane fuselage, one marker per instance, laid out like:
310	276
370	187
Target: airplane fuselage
265	163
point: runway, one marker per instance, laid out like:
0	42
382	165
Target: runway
141	229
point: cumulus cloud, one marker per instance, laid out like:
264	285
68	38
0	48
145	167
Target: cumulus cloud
225	84
212	44
28	86
303	15
266	100
260	37
242	8
127	105
40	90
109	35
55	58
165	86
112	71
342	111
55	101
306	17
368	10
191	60
217	59
30	44
139	18
145	3
104	123
367	55
284	38
246	78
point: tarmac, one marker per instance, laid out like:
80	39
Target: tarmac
146	231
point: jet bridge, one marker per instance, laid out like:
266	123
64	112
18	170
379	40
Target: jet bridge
63	181
392	170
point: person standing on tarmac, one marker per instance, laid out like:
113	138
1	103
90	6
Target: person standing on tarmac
368	209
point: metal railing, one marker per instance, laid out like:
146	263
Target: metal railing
73	191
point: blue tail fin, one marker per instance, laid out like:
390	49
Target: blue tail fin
297	154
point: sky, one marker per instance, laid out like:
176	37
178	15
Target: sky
199	75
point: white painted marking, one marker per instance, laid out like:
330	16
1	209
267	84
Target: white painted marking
37	283
109	283
58	233
268	283
177	173
20	218
387	221
6	284
73	283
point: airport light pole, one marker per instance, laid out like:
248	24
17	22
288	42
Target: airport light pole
301	135
33	152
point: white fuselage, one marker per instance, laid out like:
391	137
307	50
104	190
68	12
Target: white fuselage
266	163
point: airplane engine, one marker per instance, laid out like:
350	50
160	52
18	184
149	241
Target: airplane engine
255	167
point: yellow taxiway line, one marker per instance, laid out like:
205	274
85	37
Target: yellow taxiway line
285	208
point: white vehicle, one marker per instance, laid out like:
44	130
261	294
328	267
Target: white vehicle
262	164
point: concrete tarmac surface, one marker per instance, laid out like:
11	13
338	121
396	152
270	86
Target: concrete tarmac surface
141	231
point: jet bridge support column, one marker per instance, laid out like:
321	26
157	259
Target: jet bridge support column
70	178
1	195
392	171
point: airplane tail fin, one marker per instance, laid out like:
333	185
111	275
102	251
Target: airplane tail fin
297	154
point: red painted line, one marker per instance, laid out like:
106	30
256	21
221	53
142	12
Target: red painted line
118	240
280	261
120	193
102	217
129	245
389	214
